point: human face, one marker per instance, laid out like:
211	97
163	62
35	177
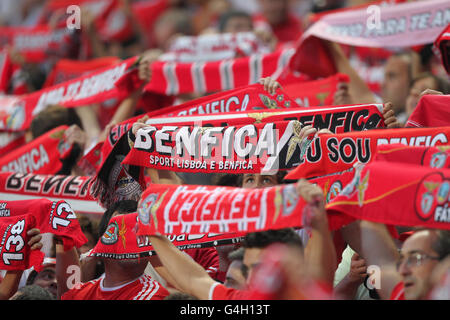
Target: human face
395	86
252	259
238	24
234	277
414	93
252	181
416	276
47	279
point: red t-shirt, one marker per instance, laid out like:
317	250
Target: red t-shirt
219	292
398	293
143	288
208	258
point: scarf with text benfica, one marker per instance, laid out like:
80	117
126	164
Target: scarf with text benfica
72	189
267	144
16	112
335	153
41	155
120	240
396	194
179	209
431	111
17	217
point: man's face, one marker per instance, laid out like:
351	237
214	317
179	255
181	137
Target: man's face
416	277
47	279
414	93
234	277
238	24
395	86
252	258
252	181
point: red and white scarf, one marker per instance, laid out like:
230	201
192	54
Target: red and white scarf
315	93
214	47
75	190
431	111
442	47
191	209
121	241
400	25
174	78
38	42
265	145
16	112
41	155
335	153
17	217
409	195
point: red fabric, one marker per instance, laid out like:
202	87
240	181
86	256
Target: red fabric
396	194
41	155
15	253
220	292
442	44
143	288
312	58
341	151
73	189
202	209
246	98
208	258
398	293
56	217
434	157
37	43
10	141
172	78
314	93
431	111
16	113
122	241
66	69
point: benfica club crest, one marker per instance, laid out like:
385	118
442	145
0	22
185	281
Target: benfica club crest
16	117
111	235
286	199
335	189
431	192
438	160
149	207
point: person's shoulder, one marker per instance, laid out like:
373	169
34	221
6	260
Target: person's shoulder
150	289
78	292
218	291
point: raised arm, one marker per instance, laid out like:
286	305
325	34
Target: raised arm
10	283
374	242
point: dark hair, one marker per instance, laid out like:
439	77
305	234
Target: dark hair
226	179
442	244
237	254
33	292
180	296
263	239
280	178
122	207
225	17
51	117
442	85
